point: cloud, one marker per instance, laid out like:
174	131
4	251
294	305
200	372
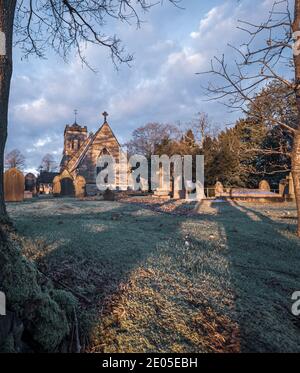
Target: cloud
161	85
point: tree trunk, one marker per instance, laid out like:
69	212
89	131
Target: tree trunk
296	145
296	173
7	11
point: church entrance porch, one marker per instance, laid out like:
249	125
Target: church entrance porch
67	187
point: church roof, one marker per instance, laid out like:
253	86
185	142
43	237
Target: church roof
75	127
81	153
105	124
46	177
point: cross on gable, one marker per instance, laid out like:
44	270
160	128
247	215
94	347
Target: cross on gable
105	114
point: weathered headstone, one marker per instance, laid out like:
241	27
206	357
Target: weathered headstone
219	189
283	185
14	185
291	188
30	183
56	186
80	186
264	185
286	187
109	195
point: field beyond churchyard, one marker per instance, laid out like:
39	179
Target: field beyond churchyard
151	281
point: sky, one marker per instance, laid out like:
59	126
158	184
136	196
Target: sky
160	85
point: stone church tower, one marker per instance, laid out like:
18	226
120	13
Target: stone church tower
78	168
74	137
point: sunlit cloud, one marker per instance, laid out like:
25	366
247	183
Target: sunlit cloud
161	85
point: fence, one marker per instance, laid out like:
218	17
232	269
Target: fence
211	193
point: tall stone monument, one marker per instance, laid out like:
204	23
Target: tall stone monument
291	194
286	187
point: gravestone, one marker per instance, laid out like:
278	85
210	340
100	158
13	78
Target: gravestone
219	189
56	186
286	187
264	185
30	183
109	195
283	187
291	191
80	187
14	185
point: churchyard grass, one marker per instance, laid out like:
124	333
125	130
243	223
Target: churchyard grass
217	281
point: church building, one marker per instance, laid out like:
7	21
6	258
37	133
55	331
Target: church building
78	168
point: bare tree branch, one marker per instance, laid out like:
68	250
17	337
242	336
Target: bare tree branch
238	84
68	24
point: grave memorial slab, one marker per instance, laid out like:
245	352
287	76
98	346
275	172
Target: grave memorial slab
264	185
14	185
219	189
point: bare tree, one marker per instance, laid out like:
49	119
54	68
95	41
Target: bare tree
48	163
62	25
145	139
203	127
272	53
15	159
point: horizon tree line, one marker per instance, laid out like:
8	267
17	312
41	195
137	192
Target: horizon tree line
16	159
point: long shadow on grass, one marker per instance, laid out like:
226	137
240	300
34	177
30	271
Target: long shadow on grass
264	265
93	253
